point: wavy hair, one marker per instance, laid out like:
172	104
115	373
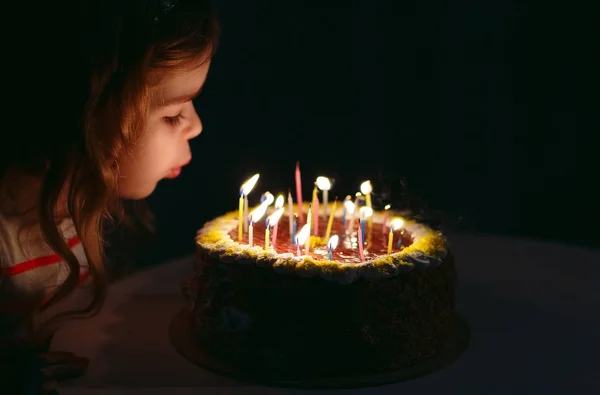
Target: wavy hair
125	47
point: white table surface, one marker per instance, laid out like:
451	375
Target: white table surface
533	309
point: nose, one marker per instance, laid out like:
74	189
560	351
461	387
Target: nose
195	127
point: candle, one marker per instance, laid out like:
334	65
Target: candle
350	208
324	185
273	221
356	200
308	219
291	213
267	236
241	218
294	226
299	191
365	213
394	225
245	189
331	245
253	218
267	198
366	188
315	212
330	222
301	237
385	218
360	242
346	201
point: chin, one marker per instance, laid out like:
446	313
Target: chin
137	193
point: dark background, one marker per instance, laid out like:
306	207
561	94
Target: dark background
485	111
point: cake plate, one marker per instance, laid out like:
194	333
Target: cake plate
180	334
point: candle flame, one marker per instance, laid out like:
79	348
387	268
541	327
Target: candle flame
333	242
249	184
258	213
349	204
279	201
274	218
396	223
388	206
358	194
366	211
323	183
302	235
267	198
366	187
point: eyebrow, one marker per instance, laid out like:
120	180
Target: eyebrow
181	98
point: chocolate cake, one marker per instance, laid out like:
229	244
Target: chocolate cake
291	317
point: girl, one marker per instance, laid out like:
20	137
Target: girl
126	116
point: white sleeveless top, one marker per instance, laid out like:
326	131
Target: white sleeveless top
30	272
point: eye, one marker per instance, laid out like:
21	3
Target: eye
174	120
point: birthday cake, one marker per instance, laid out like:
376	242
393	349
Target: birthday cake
355	291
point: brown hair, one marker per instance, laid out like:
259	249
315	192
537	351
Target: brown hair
125	48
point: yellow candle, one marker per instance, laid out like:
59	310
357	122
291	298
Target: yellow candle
330	223
366	188
394	225
267	238
241	219
390	241
250	234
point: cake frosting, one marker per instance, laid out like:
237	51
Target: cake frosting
270	311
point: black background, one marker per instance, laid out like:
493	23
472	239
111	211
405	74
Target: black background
485	111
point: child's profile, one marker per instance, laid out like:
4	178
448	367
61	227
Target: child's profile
126	119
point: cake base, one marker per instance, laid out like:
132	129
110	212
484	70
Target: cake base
180	334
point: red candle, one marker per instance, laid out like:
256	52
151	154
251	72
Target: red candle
299	192
360	241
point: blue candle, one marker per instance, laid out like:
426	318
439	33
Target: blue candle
399	241
344	217
362	226
294	231
330	254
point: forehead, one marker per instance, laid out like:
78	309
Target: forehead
180	84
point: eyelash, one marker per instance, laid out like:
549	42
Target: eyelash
174	121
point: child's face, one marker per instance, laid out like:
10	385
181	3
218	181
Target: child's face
164	148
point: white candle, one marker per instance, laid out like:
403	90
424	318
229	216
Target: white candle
245	189
324	185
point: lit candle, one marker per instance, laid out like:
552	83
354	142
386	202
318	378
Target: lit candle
308	219
245	189
241	218
366	188
299	191
331	245
360	241
294	226
365	213
315	212
291	213
350	208
273	221
324	185
254	217
267	198
330	223
357	199
346	201
301	238
385	218
395	224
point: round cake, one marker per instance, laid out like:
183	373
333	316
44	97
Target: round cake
291	313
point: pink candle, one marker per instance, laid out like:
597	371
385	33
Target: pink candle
315	216
360	241
299	192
